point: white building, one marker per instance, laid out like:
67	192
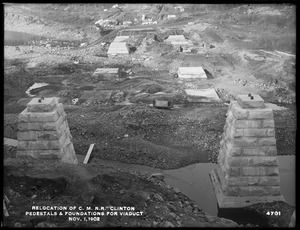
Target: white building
117	48
191	72
177	40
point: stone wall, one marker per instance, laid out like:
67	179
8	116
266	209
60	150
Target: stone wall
43	132
248	154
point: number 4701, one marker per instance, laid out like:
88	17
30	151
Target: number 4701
272	213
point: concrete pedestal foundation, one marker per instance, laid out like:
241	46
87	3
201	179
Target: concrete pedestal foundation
248	171
43	132
236	201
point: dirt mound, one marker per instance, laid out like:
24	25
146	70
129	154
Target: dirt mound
159	48
61	186
212	36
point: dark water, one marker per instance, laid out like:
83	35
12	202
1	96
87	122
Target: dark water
195	183
13	38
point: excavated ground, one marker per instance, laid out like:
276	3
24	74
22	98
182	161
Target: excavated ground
121	121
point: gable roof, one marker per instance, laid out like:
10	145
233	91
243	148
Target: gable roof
118	48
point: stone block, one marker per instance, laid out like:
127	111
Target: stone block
260	151
268	123
27	154
230	105
231	191
244	141
48	155
70	159
269	181
259	190
266	141
238	112
54	125
30	126
38	135
233	171
246	102
241	181
266	113
271	171
39	126
26	116
64	126
270	150
65	142
271	132
229	133
63	139
253	151
246	161
246	124
238	132
230	118
251	191
232	161
38	145
25	136
272	190
60	108
255	132
52	154
233	150
46	105
251	171
259	171
265	161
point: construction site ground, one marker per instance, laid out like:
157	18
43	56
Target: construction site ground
241	52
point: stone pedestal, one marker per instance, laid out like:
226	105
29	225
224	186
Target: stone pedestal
43	132
248	171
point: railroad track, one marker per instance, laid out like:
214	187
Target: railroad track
113	33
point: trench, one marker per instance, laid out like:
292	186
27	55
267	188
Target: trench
194	182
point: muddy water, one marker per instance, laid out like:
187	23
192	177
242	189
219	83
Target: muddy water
194	182
13	38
